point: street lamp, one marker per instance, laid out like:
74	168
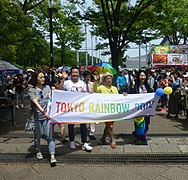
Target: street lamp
51	10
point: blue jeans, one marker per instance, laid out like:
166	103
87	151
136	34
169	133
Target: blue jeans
47	127
83	131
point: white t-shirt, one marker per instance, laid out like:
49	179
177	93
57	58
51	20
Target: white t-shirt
79	86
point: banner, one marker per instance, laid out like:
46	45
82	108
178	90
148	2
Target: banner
73	107
174	55
179	49
160	59
160	49
177	59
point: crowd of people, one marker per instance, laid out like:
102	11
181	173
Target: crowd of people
40	83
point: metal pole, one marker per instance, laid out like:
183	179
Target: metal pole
96	50
92	60
139	56
78	58
99	55
51	41
86	44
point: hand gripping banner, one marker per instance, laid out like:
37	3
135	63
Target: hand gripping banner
73	107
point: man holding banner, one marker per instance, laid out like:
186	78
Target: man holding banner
76	85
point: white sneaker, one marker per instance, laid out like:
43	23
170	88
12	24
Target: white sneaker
72	145
53	160
17	107
22	105
86	147
39	155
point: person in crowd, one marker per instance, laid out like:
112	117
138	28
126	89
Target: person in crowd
96	76
19	90
39	95
57	83
121	82
76	85
141	123
174	100
107	88
184	90
151	81
89	88
129	81
163	82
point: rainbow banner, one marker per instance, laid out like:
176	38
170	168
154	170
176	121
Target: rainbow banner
73	107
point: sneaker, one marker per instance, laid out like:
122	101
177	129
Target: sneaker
39	155
86	147
17	107
22	105
72	145
53	160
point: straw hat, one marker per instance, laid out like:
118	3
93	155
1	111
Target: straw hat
105	75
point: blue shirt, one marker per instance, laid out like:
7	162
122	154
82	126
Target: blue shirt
121	80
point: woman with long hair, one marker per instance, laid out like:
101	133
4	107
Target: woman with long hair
39	95
141	123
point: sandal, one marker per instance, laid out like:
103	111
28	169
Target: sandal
113	145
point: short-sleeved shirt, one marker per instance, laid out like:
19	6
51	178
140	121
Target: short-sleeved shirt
107	90
78	86
121	80
43	98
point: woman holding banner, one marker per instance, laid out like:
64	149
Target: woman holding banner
39	95
141	123
107	88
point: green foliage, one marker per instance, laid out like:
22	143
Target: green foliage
170	21
120	23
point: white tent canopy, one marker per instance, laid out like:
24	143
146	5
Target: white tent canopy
8	68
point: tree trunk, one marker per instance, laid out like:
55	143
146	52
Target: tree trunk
117	56
63	54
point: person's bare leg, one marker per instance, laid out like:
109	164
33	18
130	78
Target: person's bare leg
62	131
105	133
111	136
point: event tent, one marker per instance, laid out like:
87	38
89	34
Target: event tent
9	68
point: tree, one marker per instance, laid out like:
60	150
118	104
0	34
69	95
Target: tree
116	21
67	27
170	20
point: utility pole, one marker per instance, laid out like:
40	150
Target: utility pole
51	40
78	59
92	60
51	11
139	56
86	43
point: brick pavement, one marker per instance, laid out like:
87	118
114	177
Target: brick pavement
167	136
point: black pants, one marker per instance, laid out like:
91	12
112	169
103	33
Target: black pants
83	130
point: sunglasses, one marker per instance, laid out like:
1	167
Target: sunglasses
41	95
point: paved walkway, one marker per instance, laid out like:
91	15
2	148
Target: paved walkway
166	137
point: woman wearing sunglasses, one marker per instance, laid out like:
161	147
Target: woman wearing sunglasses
39	95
